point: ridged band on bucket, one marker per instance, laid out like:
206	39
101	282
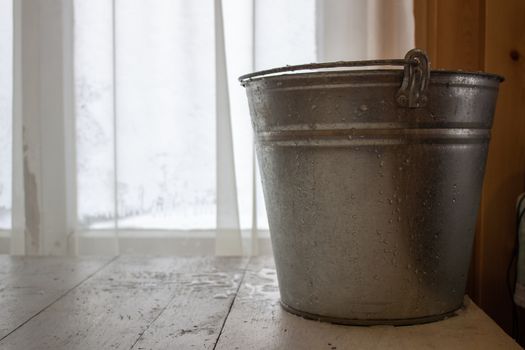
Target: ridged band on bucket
372	182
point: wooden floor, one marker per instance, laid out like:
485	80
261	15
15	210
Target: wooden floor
190	303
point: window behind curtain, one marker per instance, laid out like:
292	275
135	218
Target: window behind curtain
6	126
145	104
145	114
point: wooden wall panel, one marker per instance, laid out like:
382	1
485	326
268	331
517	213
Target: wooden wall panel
505	173
449	30
487	35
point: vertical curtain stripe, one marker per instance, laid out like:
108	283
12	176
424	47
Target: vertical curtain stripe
228	239
17	244
115	126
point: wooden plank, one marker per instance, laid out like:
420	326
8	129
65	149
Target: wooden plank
256	321
452	32
30	284
505	172
195	317
134	303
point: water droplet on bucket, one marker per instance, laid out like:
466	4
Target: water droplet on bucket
220	296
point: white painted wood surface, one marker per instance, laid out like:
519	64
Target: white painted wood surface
191	303
116	308
30	284
256	321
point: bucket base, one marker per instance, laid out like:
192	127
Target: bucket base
369	322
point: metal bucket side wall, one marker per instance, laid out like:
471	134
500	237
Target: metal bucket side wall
371	207
394	243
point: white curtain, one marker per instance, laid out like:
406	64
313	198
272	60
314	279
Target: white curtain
123	126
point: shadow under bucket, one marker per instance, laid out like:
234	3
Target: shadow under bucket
372	182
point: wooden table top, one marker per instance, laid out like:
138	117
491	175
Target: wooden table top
191	303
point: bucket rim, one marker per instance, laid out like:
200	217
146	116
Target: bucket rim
292	72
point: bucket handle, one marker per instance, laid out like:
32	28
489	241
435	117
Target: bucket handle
411	94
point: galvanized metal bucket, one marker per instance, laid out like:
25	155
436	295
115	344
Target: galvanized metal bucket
372	182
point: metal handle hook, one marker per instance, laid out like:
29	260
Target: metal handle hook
412	93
